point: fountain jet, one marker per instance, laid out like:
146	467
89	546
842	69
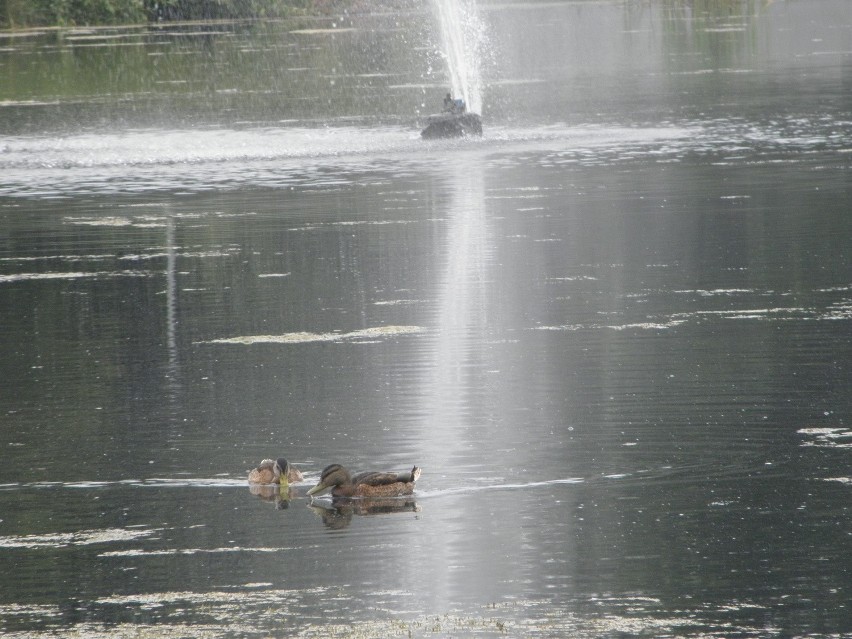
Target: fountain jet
462	37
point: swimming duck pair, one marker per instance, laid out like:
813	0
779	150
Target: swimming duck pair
338	479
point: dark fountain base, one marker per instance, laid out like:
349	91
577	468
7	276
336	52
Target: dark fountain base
452	125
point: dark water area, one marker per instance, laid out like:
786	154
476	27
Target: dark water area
614	332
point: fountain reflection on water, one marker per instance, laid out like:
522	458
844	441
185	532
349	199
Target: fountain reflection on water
461	319
453	374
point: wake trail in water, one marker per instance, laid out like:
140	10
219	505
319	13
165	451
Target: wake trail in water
463	490
665	474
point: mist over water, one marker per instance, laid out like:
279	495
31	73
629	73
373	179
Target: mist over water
613	331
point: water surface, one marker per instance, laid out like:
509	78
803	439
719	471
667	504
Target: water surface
614	332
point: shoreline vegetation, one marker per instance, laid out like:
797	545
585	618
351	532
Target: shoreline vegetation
58	14
26	14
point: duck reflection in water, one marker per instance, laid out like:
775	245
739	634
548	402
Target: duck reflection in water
338	515
281	494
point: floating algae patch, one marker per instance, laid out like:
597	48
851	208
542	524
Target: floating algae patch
189	551
134	631
100	221
257	612
374	333
79	538
64	258
826	437
23	277
226	598
29	610
402	302
838	311
842	480
648	325
313	226
322	31
230	611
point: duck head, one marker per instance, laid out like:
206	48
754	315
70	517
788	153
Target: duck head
281	471
332	476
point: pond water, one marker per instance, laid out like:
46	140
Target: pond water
615	332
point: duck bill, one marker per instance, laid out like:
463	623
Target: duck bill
316	490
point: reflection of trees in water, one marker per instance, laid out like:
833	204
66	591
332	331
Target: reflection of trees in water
709	33
177	74
342	509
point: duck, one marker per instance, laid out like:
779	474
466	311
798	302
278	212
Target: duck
274	472
368	484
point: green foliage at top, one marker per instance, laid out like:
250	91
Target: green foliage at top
36	13
27	13
221	9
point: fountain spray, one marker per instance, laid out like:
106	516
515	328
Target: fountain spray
463	39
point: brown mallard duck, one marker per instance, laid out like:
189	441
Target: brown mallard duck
369	484
274	472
